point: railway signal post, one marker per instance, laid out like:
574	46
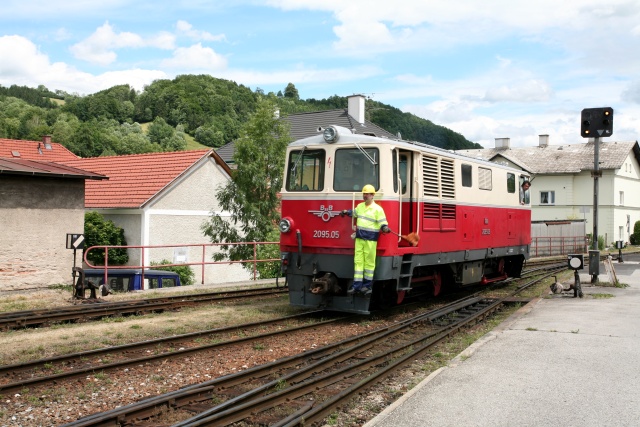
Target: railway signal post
596	123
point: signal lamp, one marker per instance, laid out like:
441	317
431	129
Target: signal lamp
596	122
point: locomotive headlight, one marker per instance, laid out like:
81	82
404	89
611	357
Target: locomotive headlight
330	135
285	225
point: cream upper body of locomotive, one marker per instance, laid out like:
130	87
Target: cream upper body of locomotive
438	175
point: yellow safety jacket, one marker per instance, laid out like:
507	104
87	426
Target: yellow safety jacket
369	221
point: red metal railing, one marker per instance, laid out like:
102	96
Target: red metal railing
548	246
201	263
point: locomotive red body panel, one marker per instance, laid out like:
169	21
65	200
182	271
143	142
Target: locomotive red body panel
470	216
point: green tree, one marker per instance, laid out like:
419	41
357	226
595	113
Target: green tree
99	231
291	92
634	238
168	138
209	136
33	124
252	195
64	127
115	103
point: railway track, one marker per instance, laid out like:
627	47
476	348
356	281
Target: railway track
306	388
84	312
17	376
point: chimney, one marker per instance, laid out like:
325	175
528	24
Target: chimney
543	141
46	140
355	105
503	142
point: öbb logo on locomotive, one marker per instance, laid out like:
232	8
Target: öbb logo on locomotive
325	214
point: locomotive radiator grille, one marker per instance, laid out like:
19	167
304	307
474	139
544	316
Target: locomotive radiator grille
438	177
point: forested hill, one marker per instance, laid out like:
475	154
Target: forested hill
168	113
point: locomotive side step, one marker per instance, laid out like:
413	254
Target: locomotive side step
406	273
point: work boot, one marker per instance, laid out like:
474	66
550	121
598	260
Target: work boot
351	291
366	291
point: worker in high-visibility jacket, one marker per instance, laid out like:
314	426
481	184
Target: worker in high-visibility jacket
370	220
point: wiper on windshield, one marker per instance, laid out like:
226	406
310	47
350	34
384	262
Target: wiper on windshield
371	159
295	164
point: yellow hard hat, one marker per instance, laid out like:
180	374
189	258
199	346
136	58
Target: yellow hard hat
369	189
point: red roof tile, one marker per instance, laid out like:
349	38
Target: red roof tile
34	150
135	179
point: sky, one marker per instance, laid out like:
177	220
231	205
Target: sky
492	69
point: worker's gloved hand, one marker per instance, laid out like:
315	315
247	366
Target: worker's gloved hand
385	229
344	212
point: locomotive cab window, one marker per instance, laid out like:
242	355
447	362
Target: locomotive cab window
305	171
484	179
465	172
354	169
525	193
511	183
400	170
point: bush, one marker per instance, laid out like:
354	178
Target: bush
634	238
270	269
187	276
99	231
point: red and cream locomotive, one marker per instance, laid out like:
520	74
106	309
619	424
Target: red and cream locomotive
467	214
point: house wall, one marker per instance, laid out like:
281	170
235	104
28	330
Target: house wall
628	182
36	213
574	199
174	218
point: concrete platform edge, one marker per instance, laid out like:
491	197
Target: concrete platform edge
464	354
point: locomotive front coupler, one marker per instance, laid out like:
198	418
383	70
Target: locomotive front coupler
327	284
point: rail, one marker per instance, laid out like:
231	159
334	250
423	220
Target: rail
202	263
558	245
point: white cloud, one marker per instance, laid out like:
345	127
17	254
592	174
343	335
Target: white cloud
367	26
185	28
521	91
24	65
62	34
632	93
196	57
99	48
301	75
162	40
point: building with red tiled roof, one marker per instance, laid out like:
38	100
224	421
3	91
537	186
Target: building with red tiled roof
162	199
44	150
134	180
41	201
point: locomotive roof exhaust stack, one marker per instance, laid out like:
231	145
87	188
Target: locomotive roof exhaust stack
355	104
503	142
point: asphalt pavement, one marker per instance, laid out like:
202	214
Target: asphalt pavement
558	361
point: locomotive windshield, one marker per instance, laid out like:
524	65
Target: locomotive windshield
305	171
354	169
